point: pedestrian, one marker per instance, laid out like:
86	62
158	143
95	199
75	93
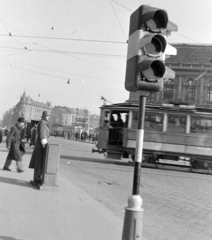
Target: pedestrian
6	132
37	158
63	135
119	126
1	135
33	136
55	134
89	137
15	144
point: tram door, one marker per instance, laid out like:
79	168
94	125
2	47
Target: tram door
104	130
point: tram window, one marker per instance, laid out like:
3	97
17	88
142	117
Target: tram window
201	125
176	123
106	119
119	119
153	121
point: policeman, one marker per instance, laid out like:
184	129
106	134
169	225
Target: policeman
37	158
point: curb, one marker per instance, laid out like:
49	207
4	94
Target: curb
109	161
144	165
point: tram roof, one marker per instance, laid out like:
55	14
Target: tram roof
169	107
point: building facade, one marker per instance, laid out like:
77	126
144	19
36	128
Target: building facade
26	107
71	118
94	121
193	81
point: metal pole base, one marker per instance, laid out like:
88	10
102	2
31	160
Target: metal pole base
133	219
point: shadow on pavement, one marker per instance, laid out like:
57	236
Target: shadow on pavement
8	238
27	152
15	182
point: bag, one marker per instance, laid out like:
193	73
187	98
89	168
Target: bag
22	148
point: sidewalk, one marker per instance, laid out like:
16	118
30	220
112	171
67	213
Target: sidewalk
27	213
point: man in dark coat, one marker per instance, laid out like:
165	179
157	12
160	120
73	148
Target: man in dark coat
37	158
14	143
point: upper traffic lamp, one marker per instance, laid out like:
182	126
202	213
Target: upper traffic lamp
147	49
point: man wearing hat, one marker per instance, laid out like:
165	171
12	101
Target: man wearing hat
15	145
37	158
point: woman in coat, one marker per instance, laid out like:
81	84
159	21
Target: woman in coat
37	158
15	145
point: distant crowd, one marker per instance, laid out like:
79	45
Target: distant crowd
83	136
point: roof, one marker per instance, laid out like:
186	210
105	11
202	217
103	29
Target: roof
39	104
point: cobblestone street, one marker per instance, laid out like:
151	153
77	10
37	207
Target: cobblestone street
176	205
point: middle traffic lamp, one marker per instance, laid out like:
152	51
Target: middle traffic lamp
147	49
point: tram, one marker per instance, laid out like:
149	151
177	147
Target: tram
173	134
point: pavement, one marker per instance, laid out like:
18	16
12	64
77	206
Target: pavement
27	213
179	210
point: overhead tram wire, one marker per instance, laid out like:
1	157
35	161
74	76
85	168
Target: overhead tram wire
122	6
12	36
71	56
69	52
176	32
66	39
46	74
118	20
77	74
193	40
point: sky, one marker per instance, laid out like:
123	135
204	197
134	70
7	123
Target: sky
46	43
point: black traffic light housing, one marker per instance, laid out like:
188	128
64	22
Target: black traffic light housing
147	45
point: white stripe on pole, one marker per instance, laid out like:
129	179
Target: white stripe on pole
139	145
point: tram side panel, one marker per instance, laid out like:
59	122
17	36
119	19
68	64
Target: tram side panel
170	133
171	144
196	146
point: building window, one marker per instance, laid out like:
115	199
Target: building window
190	91
168	89
209	92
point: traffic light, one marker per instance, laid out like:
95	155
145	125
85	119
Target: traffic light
147	50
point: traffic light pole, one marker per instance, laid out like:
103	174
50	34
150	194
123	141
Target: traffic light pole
133	219
145	74
139	145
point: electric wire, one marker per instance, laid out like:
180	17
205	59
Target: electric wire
66	39
193	40
69	52
66	54
77	74
117	19
55	76
122	6
11	35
